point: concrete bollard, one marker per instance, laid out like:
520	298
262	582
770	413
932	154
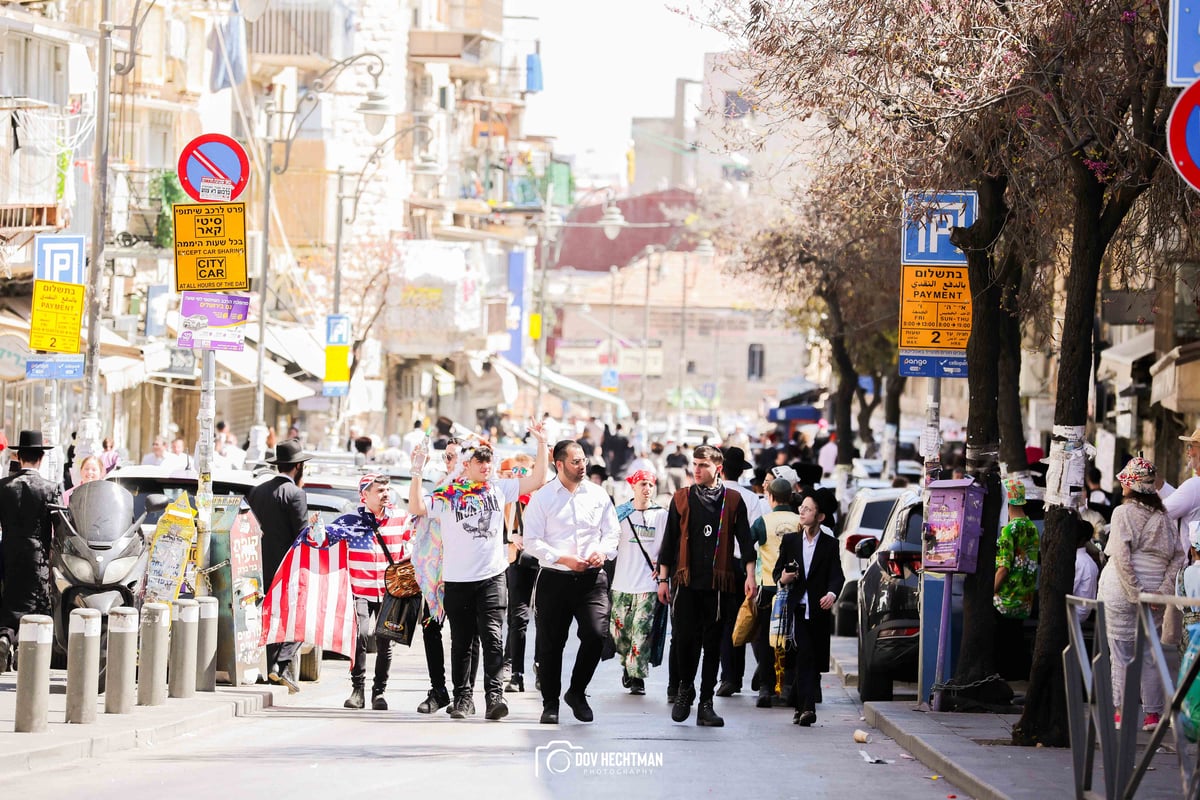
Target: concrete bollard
120	671
34	642
153	654
83	665
181	672
206	645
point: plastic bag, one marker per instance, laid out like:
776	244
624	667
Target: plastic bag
746	624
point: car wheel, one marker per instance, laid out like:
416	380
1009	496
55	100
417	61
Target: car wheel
845	615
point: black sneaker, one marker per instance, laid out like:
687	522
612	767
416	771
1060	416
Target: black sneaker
728	689
462	708
637	686
379	703
625	678
497	709
805	718
763	701
683	704
672	694
433	701
283	679
515	684
356	699
549	715
579	705
706	717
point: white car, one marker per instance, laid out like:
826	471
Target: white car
865	519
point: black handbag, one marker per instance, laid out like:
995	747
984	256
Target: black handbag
399	618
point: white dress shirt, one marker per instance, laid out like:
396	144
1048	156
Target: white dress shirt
559	522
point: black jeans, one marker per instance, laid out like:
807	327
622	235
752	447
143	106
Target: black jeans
763	652
562	597
366	611
700	616
435	653
476	609
521	576
733	659
806	687
281	655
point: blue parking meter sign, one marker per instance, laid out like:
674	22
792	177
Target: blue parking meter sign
928	218
1183	44
337	330
609	380
59	258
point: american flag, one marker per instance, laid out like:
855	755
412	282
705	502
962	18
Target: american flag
367	561
310	600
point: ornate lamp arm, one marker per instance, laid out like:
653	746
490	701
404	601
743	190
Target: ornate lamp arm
373	163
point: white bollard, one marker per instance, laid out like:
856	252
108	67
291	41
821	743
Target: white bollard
152	654
181	672
34	642
206	645
83	665
120	671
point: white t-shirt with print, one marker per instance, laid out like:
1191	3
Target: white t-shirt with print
473	531
631	573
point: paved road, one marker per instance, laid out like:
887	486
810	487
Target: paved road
315	748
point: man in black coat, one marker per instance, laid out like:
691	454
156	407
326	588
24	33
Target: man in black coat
25	498
810	567
281	508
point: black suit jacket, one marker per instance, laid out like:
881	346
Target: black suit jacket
824	575
281	509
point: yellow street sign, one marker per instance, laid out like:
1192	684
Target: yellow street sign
57	316
337	363
535	326
210	247
935	308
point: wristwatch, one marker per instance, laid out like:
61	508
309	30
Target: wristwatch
663	580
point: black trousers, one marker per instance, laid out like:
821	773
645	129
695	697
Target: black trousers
561	598
435	653
366	610
700	616
476	609
763	652
281	655
806	687
733	659
522	575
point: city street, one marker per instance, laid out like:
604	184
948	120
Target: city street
314	748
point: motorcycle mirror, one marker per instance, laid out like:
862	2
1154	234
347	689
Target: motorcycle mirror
157	502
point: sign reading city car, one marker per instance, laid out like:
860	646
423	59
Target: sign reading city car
210	247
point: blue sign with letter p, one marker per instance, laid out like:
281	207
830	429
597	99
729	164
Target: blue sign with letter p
928	218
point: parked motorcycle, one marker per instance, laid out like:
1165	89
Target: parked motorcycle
98	558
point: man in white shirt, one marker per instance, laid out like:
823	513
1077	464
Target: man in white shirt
471	514
827	456
571	528
158	453
413	438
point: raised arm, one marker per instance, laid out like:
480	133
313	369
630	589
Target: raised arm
537	476
416	494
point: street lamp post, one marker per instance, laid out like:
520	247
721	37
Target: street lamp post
375	111
650	250
705	251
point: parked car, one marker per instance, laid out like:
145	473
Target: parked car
865	519
889	625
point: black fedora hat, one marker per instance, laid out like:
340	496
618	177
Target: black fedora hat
735	461
289	451
32	440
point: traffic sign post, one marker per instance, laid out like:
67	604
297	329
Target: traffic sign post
213	168
928	219
337	356
210	247
609	380
57	316
1183	44
1183	135
59	258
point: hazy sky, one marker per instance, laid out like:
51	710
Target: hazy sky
605	62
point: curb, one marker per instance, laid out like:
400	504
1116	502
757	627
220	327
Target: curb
928	748
42	752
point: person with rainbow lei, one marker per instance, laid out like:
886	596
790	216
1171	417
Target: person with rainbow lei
467	515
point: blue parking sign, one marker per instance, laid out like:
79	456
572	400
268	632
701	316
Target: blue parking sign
1183	44
337	330
928	218
59	258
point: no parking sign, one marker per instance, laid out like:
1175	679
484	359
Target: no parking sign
213	168
1183	135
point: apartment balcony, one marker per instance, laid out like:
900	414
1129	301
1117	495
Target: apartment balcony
32	191
306	34
466	38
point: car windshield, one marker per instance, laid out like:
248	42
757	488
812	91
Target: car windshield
141	487
875	514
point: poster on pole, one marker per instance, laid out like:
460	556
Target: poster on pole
236	579
172	554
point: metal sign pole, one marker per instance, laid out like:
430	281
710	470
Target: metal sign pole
204	452
52	468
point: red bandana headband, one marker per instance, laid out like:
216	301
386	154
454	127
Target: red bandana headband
641	475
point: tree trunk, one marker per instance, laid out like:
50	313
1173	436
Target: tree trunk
1044	720
847	380
865	410
891	418
1008	407
976	661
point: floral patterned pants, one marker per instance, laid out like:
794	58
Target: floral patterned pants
632	615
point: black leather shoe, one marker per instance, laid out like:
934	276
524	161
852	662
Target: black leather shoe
379	703
637	686
515	684
805	718
683	705
497	708
672	694
282	678
706	717
727	689
579	705
356	699
763	701
462	708
549	715
433	701
755	683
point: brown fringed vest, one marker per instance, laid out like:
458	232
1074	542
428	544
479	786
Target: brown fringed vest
725	577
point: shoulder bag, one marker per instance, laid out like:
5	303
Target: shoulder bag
656	642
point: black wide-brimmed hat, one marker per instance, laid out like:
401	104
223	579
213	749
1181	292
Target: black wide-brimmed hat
32	440
288	452
735	461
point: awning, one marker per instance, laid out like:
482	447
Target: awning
295	343
569	389
276	383
1116	363
120	373
1175	379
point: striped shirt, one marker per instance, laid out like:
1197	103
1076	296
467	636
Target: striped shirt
367	561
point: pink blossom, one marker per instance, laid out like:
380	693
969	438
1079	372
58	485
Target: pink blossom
1129	17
